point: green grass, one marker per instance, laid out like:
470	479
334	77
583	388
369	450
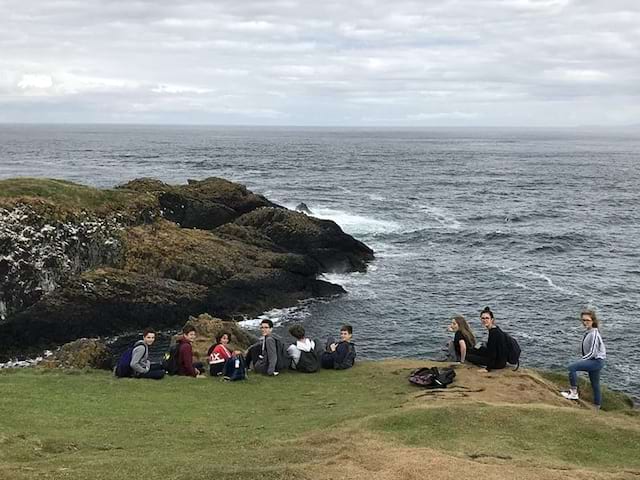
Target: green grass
100	427
611	400
65	193
538	434
78	425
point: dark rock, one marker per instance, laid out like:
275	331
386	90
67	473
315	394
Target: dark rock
83	262
102	302
209	203
302	207
322	240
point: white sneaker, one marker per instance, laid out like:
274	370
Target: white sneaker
570	395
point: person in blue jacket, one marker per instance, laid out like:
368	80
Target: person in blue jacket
340	355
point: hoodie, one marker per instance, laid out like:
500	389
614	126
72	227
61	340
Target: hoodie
294	350
185	359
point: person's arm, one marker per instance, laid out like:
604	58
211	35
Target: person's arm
186	359
492	348
136	360
591	342
343	356
463	350
272	355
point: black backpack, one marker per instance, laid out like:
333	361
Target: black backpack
432	377
513	350
283	361
171	360
309	362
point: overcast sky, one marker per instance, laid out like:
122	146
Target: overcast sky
289	62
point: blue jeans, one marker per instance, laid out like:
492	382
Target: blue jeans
592	367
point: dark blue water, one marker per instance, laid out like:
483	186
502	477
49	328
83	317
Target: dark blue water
534	223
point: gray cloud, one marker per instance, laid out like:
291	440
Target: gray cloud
455	62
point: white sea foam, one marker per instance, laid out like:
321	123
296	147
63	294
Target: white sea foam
355	224
278	316
550	282
444	218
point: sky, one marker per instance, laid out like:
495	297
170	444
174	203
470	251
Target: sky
337	63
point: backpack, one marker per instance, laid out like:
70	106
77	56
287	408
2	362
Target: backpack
513	350
283	361
123	367
349	359
170	361
309	362
432	377
235	368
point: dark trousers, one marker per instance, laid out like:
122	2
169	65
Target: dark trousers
478	356
253	354
156	372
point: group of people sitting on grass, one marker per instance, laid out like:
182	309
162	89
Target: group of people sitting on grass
268	356
495	353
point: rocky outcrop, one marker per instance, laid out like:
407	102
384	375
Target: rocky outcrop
78	262
82	353
208	328
322	240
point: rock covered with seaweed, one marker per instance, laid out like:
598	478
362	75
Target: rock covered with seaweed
77	261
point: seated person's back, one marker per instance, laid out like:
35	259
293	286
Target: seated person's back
303	353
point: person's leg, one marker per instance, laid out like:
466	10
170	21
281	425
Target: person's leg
452	356
252	354
156	372
594	378
477	358
200	367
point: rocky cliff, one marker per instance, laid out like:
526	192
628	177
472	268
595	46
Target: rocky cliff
77	261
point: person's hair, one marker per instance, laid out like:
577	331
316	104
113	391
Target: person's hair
591	313
465	329
222	334
268	322
487	310
188	328
147	331
347	328
297	331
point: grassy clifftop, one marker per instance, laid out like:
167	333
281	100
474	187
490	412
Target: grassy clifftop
366	423
69	195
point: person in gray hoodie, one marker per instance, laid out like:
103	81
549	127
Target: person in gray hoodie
592	361
264	354
141	367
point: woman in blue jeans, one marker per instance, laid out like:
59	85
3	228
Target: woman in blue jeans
593	356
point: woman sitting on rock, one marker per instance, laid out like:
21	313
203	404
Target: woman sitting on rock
463	339
494	355
592	361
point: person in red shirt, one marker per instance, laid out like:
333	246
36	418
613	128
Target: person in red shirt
186	365
219	354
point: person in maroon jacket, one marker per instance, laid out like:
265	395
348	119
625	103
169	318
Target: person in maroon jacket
186	366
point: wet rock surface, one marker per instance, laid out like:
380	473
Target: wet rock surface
78	262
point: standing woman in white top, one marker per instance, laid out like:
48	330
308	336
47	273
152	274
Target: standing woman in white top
593	356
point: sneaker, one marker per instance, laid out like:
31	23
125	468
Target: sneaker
570	395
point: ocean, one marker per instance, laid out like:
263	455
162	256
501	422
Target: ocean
536	223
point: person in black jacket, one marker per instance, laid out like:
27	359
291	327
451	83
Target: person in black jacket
341	355
494	355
